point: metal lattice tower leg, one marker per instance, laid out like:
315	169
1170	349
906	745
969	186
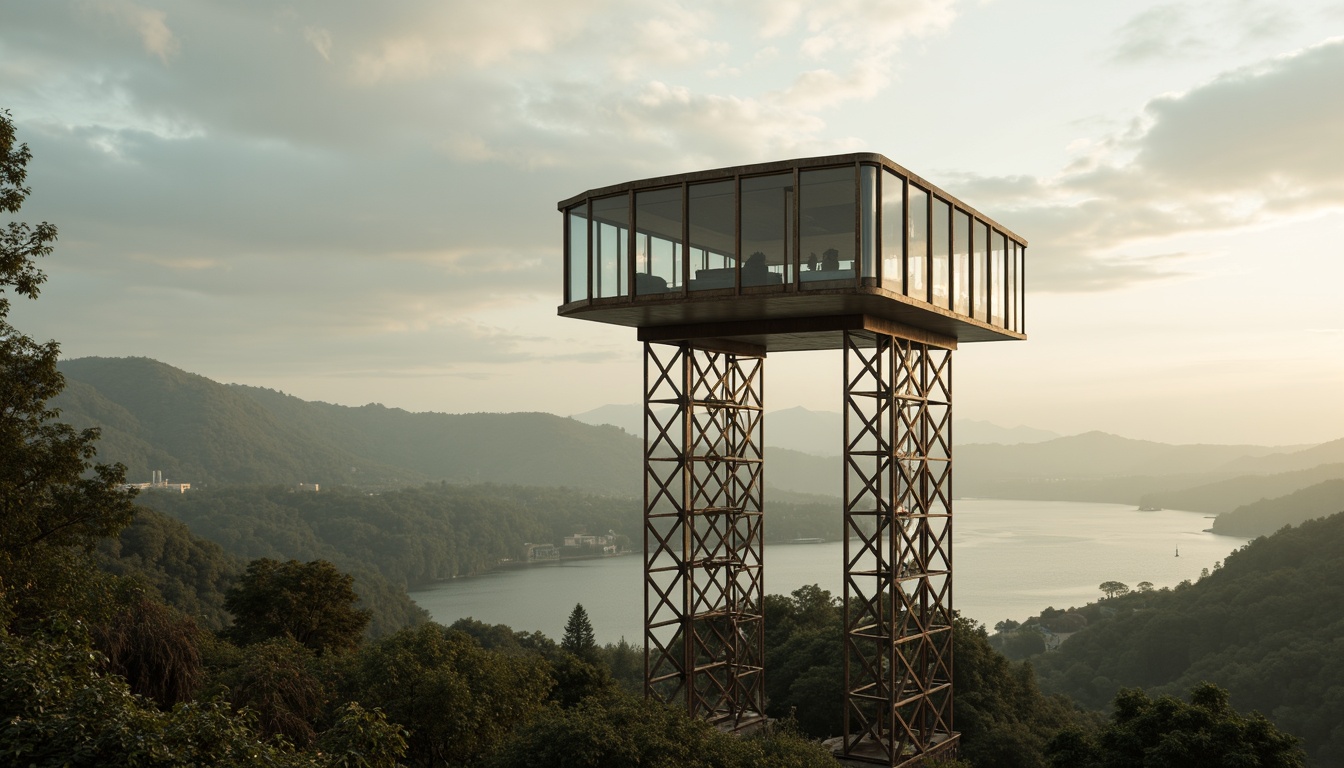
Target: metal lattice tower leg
898	550
703	482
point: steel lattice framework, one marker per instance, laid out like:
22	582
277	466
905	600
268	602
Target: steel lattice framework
718	268
898	549
703	481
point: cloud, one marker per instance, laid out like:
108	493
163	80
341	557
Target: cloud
149	24
1266	130
1250	146
1174	31
320	39
368	184
1158	33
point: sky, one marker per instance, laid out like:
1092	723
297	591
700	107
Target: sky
355	202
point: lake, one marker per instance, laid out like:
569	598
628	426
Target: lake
1012	558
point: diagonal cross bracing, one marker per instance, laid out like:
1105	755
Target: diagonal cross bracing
703	483
898	552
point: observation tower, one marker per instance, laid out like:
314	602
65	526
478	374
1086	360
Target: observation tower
717	269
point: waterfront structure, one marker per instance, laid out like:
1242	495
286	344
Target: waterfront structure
716	269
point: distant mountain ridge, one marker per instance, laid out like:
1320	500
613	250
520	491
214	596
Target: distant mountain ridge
195	430
154	416
819	433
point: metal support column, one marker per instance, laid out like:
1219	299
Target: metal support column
898	550
703	491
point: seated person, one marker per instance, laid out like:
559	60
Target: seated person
756	272
646	284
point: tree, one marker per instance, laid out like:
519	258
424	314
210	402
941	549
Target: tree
626	732
1145	586
54	500
1166	732
1114	588
60	708
579	639
1004	719
155	647
314	603
804	658
457	700
274	680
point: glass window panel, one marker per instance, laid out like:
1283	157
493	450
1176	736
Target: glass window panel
999	244
713	235
893	232
1012	286
576	253
961	262
767	229
868	220
611	228
980	273
942	252
1022	289
826	212
917	232
658	247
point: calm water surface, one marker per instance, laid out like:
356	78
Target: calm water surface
1013	558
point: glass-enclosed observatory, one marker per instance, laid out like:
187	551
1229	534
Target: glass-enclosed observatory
718	268
809	245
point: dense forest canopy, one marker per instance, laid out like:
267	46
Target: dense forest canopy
1268	626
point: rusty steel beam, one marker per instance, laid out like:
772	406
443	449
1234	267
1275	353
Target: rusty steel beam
898	550
703	504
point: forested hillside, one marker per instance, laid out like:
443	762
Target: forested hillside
1269	515
1268	626
154	416
1226	495
189	572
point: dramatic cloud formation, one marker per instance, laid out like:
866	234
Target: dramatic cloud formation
1252	145
326	190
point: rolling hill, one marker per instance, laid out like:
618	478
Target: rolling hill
195	430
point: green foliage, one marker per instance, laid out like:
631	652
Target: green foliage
627	733
276	680
578	638
501	637
1004	719
1114	588
1020	643
803	659
363	738
1268	627
457	700
1168	733
577	680
53	497
21	245
57	708
313	603
626	663
154	647
189	573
